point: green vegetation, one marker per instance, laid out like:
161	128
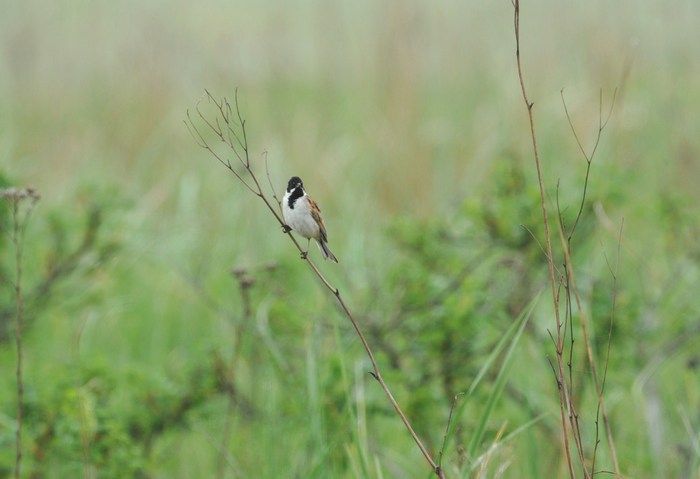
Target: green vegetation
170	329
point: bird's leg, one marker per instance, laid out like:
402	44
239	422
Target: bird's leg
304	254
286	229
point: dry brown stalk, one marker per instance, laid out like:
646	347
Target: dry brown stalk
567	280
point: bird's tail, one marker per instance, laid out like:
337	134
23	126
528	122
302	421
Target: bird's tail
327	254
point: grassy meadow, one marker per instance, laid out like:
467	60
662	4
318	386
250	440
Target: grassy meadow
170	328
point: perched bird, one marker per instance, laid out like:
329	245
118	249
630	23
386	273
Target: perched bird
302	214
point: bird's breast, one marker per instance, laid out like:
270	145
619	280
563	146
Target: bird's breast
298	217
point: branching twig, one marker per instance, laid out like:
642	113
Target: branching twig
569	283
614	273
589	157
564	399
16	196
269	181
583	319
226	133
601	123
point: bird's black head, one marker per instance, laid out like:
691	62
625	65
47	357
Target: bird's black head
294	182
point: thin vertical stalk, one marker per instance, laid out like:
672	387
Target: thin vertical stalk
564	400
17	243
15	197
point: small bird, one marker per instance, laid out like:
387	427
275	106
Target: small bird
302	214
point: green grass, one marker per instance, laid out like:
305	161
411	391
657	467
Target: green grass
404	119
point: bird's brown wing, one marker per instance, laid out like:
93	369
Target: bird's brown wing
316	215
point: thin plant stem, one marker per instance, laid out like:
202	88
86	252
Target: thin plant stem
571	280
564	399
16	196
568	281
20	326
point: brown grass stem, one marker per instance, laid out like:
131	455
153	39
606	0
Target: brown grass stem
568	281
572	286
564	400
606	422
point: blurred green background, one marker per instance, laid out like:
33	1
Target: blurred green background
146	357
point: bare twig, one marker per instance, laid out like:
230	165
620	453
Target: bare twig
240	148
269	181
601	123
564	399
583	319
568	281
16	196
601	407
589	157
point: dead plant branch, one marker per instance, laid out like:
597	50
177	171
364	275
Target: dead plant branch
564	399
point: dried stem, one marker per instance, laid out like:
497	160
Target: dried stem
589	157
568	281
228	135
564	400
601	406
15	196
571	280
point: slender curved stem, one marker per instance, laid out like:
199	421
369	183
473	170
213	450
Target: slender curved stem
564	399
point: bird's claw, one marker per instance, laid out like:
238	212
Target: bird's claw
286	229
304	254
